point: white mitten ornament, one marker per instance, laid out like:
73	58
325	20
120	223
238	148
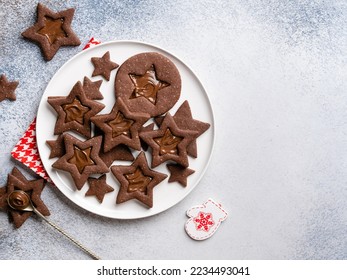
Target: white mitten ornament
204	220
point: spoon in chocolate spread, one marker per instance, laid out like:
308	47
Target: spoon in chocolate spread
20	200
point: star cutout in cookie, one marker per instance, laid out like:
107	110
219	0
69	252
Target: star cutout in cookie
52	31
81	159
74	111
169	142
92	89
184	120
147	85
179	174
7	89
120	126
17	181
137	181
103	66
98	187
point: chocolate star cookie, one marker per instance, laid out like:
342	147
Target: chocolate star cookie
119	152
52	31
120	126
148	82
17	181
103	66
179	174
81	159
74	111
7	89
91	89
98	187
184	120
137	181
169	142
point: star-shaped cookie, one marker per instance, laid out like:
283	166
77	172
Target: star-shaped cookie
184	120
98	187
57	146
103	66
7	89
120	126
179	174
92	89
169	142
74	111
52	31
81	159
137	181
17	181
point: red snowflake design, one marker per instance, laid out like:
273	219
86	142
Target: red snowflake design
203	221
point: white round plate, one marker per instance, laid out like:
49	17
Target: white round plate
165	194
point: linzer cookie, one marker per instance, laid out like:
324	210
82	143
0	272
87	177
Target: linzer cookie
52	31
184	120
169	142
120	126
148	83
74	111
17	181
137	181
81	159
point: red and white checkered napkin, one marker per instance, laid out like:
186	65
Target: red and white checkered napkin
92	42
26	150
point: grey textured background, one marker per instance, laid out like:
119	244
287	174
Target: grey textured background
276	74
